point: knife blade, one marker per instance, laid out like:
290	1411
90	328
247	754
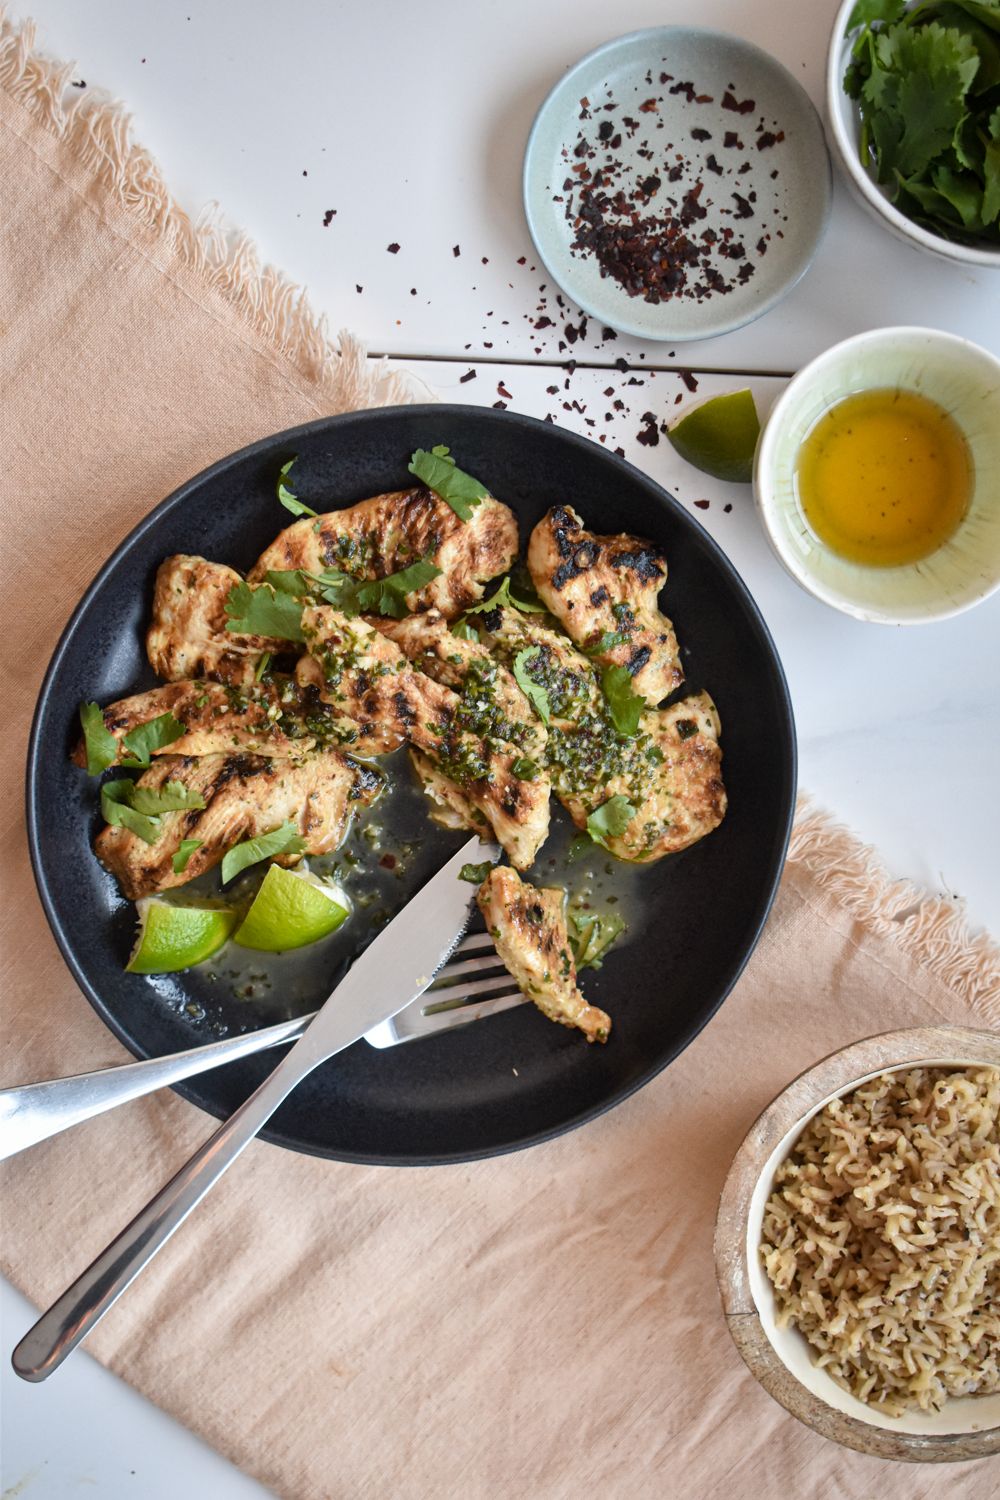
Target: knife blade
391	973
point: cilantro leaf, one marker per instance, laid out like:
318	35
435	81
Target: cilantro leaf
100	744
264	610
475	874
288	500
124	802
283	840
591	935
465	632
868	11
353	596
610	820
438	470
142	741
501	596
524	768
185	849
606	641
991	168
533	691
625	704
387	596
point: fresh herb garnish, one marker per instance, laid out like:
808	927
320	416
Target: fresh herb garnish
475	874
533	691
99	743
262	666
465	632
686	728
139	808
524	768
289	501
185	849
606	641
927	84
610	820
352	596
440	473
502	596
264	610
591	935
626	706
145	739
283	840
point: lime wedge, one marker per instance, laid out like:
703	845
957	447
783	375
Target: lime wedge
292	908
720	436
177	937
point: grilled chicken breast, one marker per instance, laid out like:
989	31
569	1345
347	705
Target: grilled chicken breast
366	676
671	773
603	591
449	805
188	636
529	929
389	532
218	721
244	795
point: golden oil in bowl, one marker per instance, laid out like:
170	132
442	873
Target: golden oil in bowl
884	477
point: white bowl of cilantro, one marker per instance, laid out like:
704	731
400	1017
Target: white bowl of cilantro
913	107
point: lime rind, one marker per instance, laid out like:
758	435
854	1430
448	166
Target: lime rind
292	909
719	437
172	937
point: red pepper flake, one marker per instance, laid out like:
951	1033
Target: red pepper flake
610	390
543	322
499	406
732	140
648	434
328	217
393	249
503	391
701	135
80	83
469	375
486	260
743	209
388	861
552	390
522	260
456	251
702	504
649	107
768	139
727	509
712	164
358	288
608	334
739	106
691	381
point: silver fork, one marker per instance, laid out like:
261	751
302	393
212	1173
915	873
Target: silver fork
468	988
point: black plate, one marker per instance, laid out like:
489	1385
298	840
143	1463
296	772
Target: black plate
456	1096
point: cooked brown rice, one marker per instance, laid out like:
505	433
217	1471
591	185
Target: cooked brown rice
882	1238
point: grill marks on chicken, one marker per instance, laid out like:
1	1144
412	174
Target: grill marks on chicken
218	720
389	532
603	591
529	929
244	795
364	674
188	636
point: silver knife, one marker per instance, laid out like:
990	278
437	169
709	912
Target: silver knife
391	972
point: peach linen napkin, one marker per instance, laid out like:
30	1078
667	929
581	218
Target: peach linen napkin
543	1324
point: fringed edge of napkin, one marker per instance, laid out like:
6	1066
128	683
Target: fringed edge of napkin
97	130
931	929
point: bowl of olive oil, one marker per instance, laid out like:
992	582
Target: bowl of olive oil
877	476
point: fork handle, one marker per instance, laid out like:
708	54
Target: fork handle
34	1111
84	1303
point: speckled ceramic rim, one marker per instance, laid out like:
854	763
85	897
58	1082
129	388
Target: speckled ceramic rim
621	322
769	505
786	1116
840	117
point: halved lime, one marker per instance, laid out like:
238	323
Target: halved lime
292	908
720	436
177	937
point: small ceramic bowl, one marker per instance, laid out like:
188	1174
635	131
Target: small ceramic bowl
959	376
780	1358
844	131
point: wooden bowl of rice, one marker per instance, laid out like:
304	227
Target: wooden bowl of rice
858	1246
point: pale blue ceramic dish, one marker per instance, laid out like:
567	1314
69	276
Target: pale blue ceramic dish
792	208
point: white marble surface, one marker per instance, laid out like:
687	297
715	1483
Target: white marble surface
410	122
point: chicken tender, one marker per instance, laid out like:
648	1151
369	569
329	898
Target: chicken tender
244	795
365	675
217	720
188	636
389	532
528	927
603	591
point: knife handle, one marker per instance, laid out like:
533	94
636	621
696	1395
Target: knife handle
82	1305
